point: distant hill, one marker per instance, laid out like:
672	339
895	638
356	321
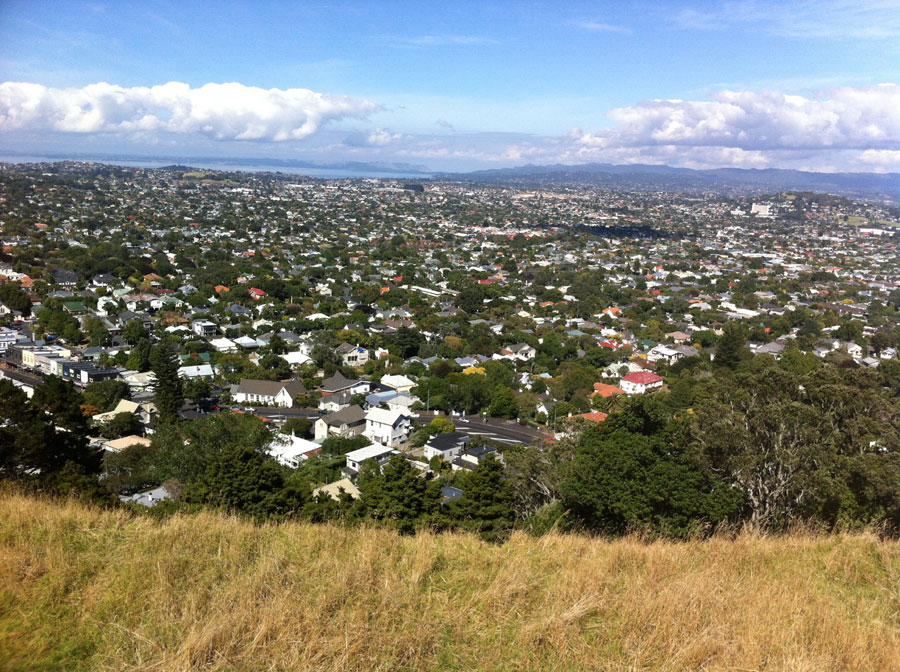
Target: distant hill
87	589
719	180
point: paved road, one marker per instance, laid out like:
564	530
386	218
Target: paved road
504	431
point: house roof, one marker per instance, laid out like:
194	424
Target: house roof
333	490
594	416
642	378
352	415
269	388
337	382
605	390
385	417
448	441
376	450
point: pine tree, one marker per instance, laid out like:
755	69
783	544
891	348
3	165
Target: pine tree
169	393
730	346
486	505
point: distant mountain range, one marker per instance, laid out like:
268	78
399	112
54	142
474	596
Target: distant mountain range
666	178
219	162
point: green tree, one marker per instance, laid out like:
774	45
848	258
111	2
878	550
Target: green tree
503	403
471	298
41	436
168	391
139	357
730	349
242	480
105	394
134	332
396	494
486	505
634	471
15	298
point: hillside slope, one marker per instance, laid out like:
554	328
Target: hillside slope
82	589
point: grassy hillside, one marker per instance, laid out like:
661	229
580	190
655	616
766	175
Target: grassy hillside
87	590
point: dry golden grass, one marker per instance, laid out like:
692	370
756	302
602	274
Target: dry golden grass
82	589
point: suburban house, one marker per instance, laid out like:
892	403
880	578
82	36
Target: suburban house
290	450
521	352
388	427
204	328
334	490
640	382
335	402
352	355
338	383
401	384
144	411
251	391
347	423
605	390
355	458
447	446
472	457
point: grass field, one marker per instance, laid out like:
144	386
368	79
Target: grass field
82	589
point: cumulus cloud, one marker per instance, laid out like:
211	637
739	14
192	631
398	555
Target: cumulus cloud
377	138
229	111
863	118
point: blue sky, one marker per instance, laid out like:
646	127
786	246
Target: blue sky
462	85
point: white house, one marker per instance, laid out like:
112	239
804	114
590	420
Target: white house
376	452
402	384
640	382
447	446
267	392
224	344
347	422
352	355
663	353
388	427
204	328
290	450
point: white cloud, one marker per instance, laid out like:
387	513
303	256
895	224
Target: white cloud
380	137
229	111
842	118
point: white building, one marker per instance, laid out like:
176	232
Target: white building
388	427
640	382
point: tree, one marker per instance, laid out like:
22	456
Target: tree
634	471
486	505
41	436
105	394
196	389
406	342
503	403
139	357
396	495
183	452
730	349
15	298
471	298
168	391
302	427
134	332
243	480
129	470
122	424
